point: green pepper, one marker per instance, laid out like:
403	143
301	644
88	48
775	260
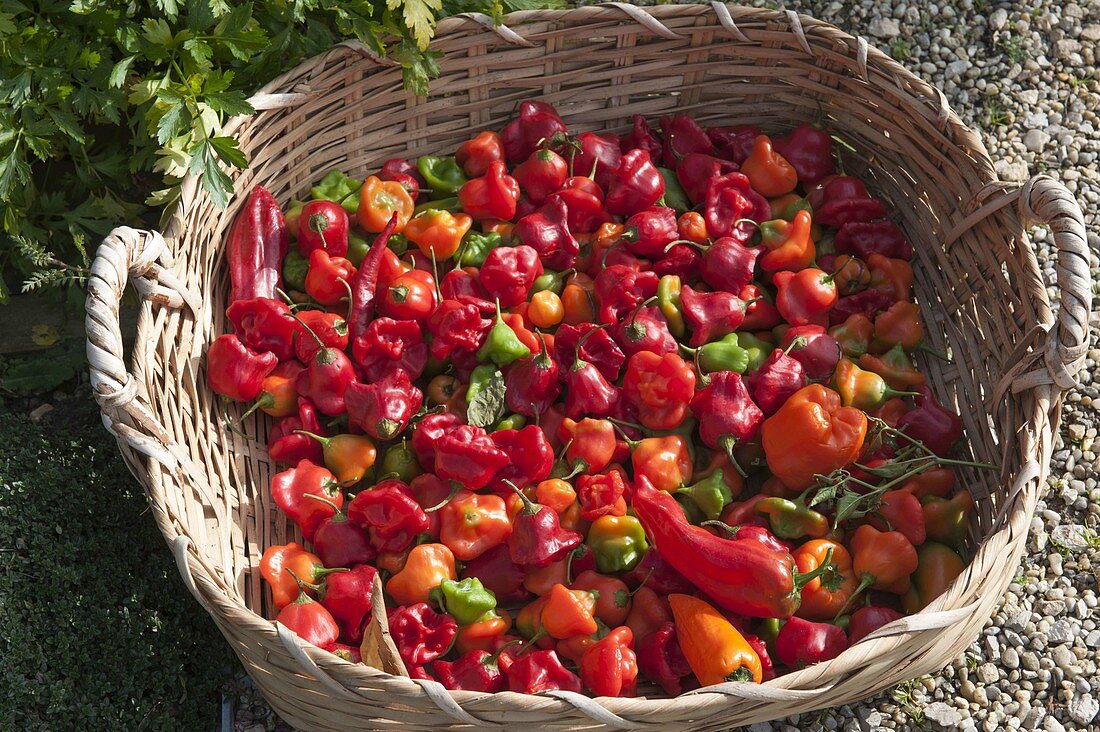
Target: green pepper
553	281
502	346
668	300
399	461
398	244
440	204
767	630
467	601
692	512
792	519
442	174
788	210
711	494
336	186
618	543
946	519
674	197
295	268
479	378
357	247
842	622
757	350
475	247
725	354
511	422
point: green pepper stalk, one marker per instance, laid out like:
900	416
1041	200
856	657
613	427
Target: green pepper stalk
711	494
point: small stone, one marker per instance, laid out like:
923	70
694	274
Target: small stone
1019	621
39	413
1034	140
1010	658
956	69
884	28
997	19
1091	32
1060	632
943	714
759	727
987	673
1083	709
1092	640
1051	608
1051	724
1064	658
1033	718
1071	536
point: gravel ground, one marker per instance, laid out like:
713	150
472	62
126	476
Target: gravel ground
1026	74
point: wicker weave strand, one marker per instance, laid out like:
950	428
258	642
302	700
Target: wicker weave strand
981	293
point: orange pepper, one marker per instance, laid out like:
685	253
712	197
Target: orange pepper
881	559
494	226
379	200
349	457
850	274
546	309
555	493
426	566
572	519
892	410
472	523
392	562
277	559
569	612
937	482
526	337
768	171
788	244
898	324
861	388
648	612
279	395
692	227
613	599
894	367
812	433
540	581
665	461
854	334
438	231
529	618
576	300
483	634
715	650
937	567
893	277
823	601
602	239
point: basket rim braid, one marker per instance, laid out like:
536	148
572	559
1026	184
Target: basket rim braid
977	277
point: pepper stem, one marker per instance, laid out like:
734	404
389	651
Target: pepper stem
740	674
622	433
727	443
529	507
299	321
826	570
797	344
322	499
865	580
455	488
925	348
729	531
580	341
891	392
323	440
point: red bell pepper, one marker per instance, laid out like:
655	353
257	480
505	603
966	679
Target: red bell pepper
330	329
730	200
598	157
468	455
802	642
290	488
383	408
547	232
661	387
390	515
264	325
235	371
536	123
710	315
390	345
492	196
541	175
635	186
257	244
609	666
509	273
661	661
421	634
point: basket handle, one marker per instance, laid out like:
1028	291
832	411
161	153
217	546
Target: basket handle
142	258
1047	201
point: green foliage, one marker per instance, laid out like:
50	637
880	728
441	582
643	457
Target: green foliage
105	105
97	628
42	372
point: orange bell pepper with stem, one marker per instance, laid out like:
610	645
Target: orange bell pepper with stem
823	597
811	434
546	309
613	599
883	560
349	457
715	650
854	335
577	301
665	460
898	324
427	565
569	612
555	493
862	389
769	172
307	566
379	200
850	274
438	232
472	523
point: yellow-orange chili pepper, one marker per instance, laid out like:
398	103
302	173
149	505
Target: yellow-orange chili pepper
788	243
555	493
576	300
692	227
349	457
823	598
483	634
715	650
546	309
850	274
569	612
379	200
438	231
769	172
893	277
426	566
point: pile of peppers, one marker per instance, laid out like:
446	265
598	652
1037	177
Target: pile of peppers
596	411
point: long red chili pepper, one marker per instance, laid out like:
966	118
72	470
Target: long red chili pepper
258	241
366	281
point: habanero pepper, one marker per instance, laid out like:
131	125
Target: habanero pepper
478	153
948	520
286	444
809	151
635	185
661	386
546	231
331	331
865	238
665	461
729	265
492	196
731	201
862	389
661	660
646	330
541	175
290	488
438	232
805	296
801	643
769	172
347	597
264	325
329	278
303	565
385	407
389	345
390	514
868	619
895	368
426	567
466	601
471	524
468	456
901	511
609	666
310	621
937	567
710	315
695	170
235	371
536	123
812	433
420	633
509	273
733	143
323	225
537	539
530	457
817	351
726	412
618	543
931	423
853	335
541	671
779	377
882	560
822	600
788	243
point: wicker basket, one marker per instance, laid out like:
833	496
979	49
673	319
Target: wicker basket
977	280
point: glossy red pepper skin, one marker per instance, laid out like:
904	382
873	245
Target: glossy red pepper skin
588	393
498	573
648	232
744	577
546	230
682	136
835	188
530	457
620	289
509	272
599	157
710	315
819	352
809	151
642	136
286	446
428	431
541	175
264	324
310	621
468	455
932	423
323	225
348	599
805	296
661	661
695	170
609	666
680	260
476	670
760	311
536	122
730	198
729	265
778	378
867	303
733	143
864	238
492	196
583	199
340	543
647	330
463	286
330	328
902	511
658	575
390	345
328	278
532	384
389	514
839	199
868	619
661	387
537	539
235	371
726	412
538	671
598	348
801	643
635	186
478	153
289	489
421	634
602	494
257	244
383	408
365	285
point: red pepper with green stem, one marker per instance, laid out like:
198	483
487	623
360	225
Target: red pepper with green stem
471	524
583	199
541	175
492	196
509	273
609	667
535	123
532	384
777	379
383	408
264	325
710	315
932	424
330	328
310	621
339	542
635	186
278	558
620	289
290	488
817	351
726	413
328	280
731	201
286	444
409	296
547	232
234	371
257	244
661	661
467	455
789	244
804	297
347	597
590	444
648	233
661	386
531	457
729	265
597	156
645	330
323	225
587	390
695	170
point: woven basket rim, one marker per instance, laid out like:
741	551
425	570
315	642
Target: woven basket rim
795	686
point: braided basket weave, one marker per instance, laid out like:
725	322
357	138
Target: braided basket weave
977	281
